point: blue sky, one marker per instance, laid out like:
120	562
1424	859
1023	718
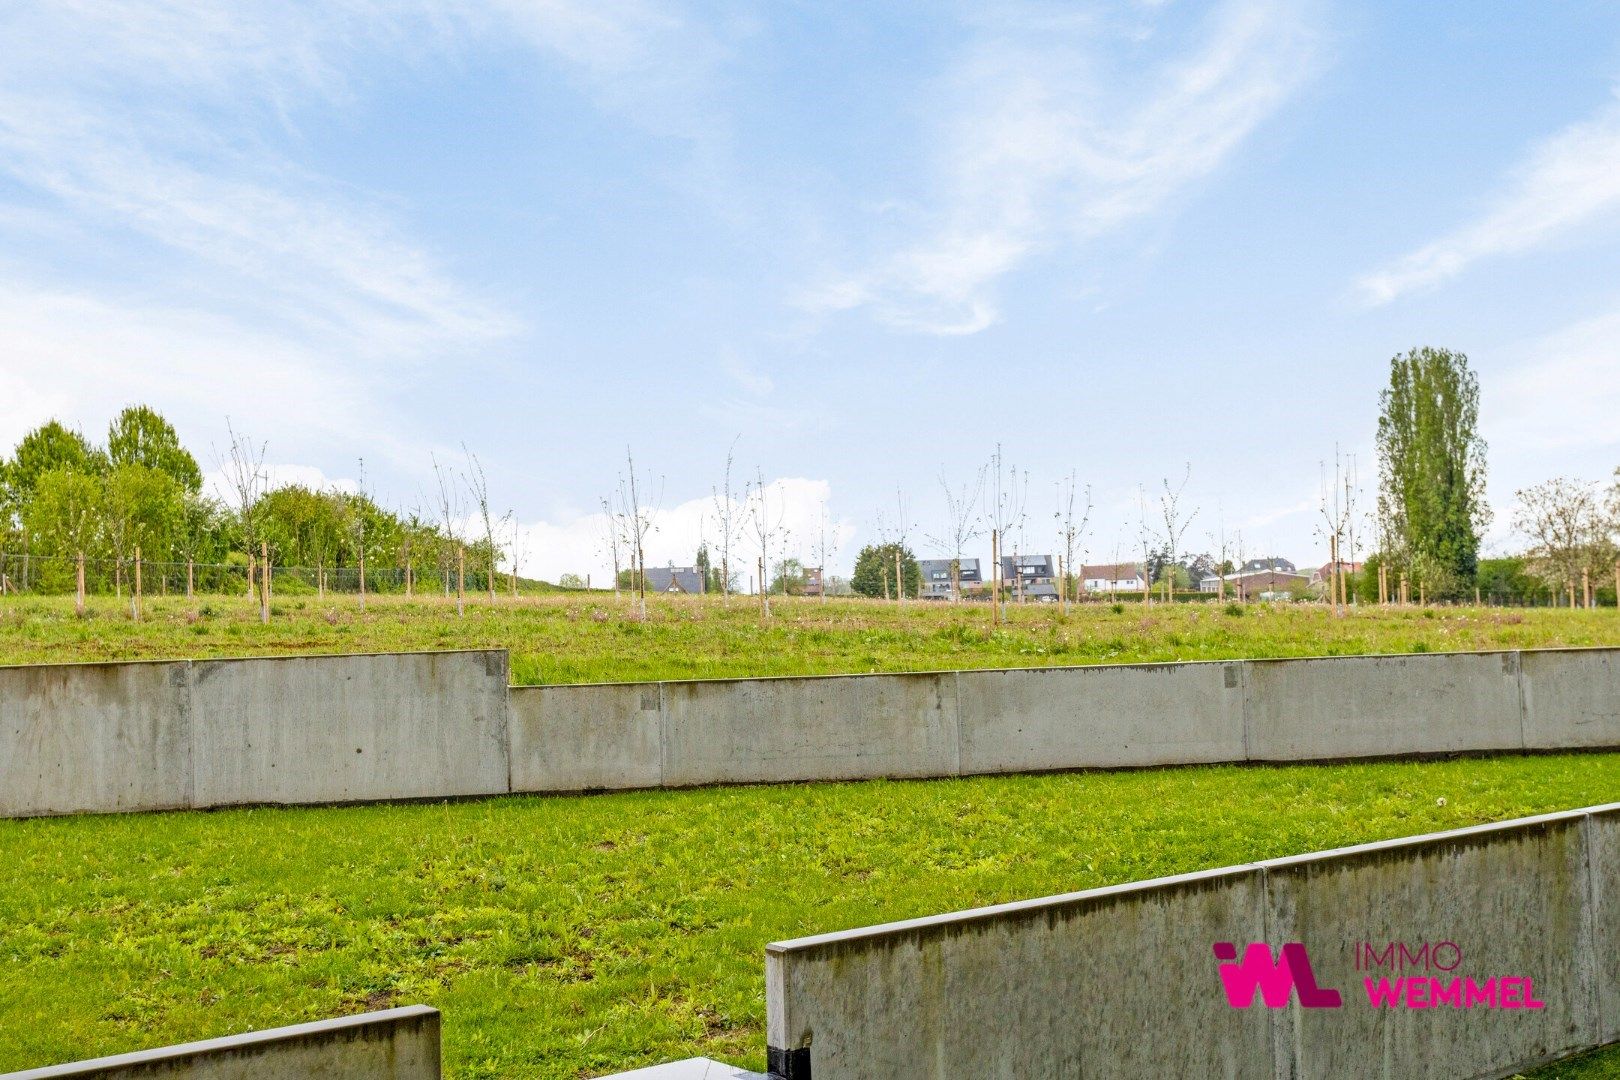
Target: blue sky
868	245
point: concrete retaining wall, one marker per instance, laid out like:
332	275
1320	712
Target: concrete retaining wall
395	1044
149	736
630	735
154	736
1124	982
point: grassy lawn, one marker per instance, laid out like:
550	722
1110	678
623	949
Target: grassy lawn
568	937
590	637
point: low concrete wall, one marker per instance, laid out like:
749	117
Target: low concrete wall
96	738
1107	982
395	1044
1368	706
585	738
314	729
775	730
148	736
310	729
1571	698
1101	717
1124	982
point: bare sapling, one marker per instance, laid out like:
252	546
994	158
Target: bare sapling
245	482
1175	519
727	519
962	524
1071	531
478	488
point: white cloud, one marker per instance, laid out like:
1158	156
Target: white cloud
1043	145
1569	180
82	358
201	266
1563	396
578	544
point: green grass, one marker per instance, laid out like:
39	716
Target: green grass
591	637
568	937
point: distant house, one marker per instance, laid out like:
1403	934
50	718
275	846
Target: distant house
1034	577
1262	584
1322	573
675	579
1271	562
1113	578
937	581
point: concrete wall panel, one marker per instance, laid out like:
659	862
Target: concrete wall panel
1099	717
394	1044
775	730
1114	982
1571	698
96	738
1603	838
1124	982
1512	898
582	738
349	728
1350	707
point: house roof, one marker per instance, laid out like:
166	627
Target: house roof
1034	565
1111	572
682	579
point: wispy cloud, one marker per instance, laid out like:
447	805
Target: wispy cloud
1046	143
1564	393
1566	181
165	230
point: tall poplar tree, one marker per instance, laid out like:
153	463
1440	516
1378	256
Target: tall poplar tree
1432	469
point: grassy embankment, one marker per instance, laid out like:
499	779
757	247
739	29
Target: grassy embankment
591	637
569	937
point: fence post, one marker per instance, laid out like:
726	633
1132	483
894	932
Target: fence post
78	606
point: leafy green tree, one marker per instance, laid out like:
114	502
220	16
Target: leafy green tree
303	527
789	578
1432	469
143	508
49	446
1509	580
64	518
140	436
875	565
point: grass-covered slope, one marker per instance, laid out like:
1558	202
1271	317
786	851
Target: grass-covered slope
568	937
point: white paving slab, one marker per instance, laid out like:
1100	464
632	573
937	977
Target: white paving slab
690	1069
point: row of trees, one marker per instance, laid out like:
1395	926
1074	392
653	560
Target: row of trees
63	498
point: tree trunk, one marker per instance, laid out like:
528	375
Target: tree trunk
461	581
78	606
995	577
264	582
135	594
